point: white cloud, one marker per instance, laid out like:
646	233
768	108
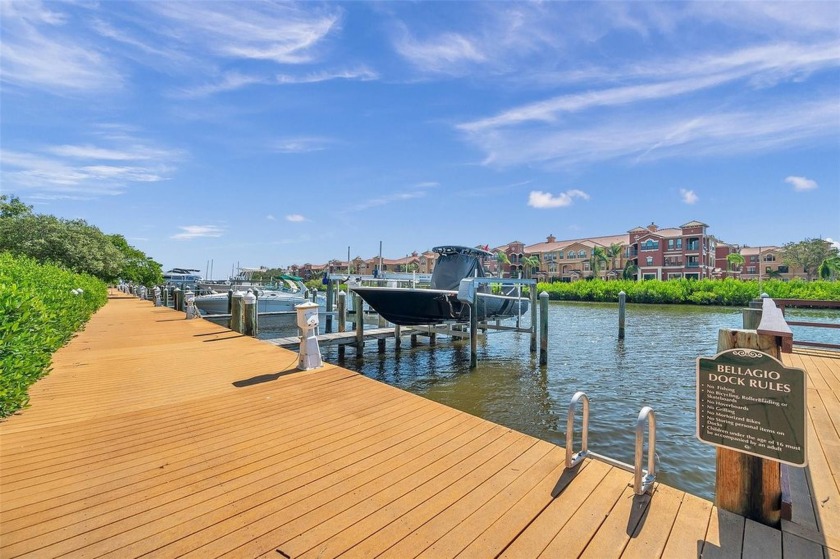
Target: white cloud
281	33
270	217
835	244
388	199
656	135
361	74
295	218
300	145
38	50
801	184
444	53
539	199
67	171
196	231
688	196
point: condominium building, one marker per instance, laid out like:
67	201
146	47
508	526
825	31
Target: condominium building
651	252
687	252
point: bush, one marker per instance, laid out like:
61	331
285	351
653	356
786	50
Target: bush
38	314
729	291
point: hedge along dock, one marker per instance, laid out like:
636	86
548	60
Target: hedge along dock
163	436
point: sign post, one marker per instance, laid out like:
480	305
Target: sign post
750	402
753	409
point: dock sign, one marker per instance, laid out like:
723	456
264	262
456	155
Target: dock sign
750	402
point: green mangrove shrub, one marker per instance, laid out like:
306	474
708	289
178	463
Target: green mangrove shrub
728	292
39	312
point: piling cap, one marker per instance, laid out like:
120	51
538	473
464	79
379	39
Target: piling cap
250	298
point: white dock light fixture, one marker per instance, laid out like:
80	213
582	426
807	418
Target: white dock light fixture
307	321
189	305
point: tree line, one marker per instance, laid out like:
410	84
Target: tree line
72	244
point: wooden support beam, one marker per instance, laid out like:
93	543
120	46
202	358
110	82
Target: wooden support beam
748	485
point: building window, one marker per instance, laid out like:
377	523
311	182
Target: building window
572	254
581	254
650	245
750	269
783	269
693	244
649	260
670	244
649	276
769	258
679	243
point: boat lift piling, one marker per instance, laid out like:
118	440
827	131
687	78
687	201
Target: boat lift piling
468	293
622	298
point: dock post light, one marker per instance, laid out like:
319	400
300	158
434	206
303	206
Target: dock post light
307	321
189	305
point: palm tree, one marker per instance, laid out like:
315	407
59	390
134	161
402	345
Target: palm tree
599	257
613	252
735	260
501	260
530	263
630	270
830	267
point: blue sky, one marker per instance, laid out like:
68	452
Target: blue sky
266	133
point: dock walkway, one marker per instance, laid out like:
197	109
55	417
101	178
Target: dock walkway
154	435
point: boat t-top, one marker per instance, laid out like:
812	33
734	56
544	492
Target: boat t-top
439	303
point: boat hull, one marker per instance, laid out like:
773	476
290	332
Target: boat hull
412	307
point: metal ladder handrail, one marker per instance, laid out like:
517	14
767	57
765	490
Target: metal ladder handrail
572	458
643	479
643	483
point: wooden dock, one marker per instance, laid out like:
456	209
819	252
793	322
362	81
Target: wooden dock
158	436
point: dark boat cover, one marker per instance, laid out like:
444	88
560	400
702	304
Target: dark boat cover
456	263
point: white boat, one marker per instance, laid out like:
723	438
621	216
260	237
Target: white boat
182	278
283	297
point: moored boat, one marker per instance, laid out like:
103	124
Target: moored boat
440	303
282	297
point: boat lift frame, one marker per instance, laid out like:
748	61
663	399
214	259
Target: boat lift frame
468	293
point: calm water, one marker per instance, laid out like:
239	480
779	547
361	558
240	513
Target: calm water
653	366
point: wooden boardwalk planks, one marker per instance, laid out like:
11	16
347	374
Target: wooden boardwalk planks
161	436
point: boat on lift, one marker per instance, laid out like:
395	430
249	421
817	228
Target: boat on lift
438	304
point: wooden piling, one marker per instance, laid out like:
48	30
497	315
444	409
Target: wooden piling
236	312
622	301
751	318
533	297
474	331
230	299
360	323
342	317
328	328
748	485
397	340
249	313
165	294
179	299
543	328
342	311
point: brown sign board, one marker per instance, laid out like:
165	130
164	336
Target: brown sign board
750	402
